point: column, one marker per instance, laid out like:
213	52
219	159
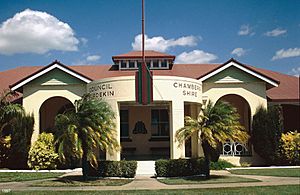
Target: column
115	155
176	122
195	139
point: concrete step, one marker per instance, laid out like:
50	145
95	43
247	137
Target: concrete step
146	167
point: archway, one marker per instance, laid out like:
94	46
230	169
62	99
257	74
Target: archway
243	109
49	109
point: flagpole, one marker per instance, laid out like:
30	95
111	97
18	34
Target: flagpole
144	74
143	33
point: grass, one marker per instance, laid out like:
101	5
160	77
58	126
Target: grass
9	177
288	172
202	180
74	181
274	190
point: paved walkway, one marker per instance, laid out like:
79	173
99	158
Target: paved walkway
146	182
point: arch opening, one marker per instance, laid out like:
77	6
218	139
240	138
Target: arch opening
49	109
243	109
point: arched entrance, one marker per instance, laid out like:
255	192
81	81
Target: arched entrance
243	109
49	109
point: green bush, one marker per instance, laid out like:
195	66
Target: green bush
4	150
267	127
162	167
220	165
121	168
179	167
290	147
186	167
42	154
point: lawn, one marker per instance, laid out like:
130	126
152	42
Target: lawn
9	177
274	190
203	180
74	181
288	172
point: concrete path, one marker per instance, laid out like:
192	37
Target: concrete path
146	182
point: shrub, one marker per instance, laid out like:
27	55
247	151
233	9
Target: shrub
179	167
186	167
220	165
121	168
267	127
4	149
290	147
42	154
162	167
20	141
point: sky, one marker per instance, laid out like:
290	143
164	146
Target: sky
264	34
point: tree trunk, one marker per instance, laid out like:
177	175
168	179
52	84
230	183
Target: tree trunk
206	151
85	165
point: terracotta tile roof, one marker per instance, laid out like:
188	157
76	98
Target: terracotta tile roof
288	89
148	54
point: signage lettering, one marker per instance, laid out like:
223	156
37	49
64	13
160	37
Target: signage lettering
189	89
102	90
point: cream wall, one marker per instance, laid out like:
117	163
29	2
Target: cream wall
35	95
254	93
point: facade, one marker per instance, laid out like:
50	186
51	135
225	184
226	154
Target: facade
148	131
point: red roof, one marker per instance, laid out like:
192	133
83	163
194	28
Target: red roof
288	89
148	54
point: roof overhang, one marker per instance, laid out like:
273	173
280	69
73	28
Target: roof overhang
56	64
233	62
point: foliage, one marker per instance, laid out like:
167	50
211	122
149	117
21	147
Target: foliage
4	149
121	168
216	124
19	125
220	165
82	131
267	127
42	154
186	167
290	147
179	167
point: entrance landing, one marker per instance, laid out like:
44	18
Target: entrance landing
146	167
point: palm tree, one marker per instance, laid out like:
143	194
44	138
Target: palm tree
215	125
90	126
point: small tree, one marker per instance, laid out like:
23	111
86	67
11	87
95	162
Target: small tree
42	154
267	127
216	123
87	128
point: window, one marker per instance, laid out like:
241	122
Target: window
164	64
159	122
124	122
123	64
155	64
131	64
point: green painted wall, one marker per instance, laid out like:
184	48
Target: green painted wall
56	77
232	74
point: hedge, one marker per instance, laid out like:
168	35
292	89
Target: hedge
179	167
186	167
220	165
121	168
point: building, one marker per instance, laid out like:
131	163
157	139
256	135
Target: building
147	132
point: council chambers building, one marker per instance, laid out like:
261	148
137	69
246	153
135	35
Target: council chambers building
148	131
